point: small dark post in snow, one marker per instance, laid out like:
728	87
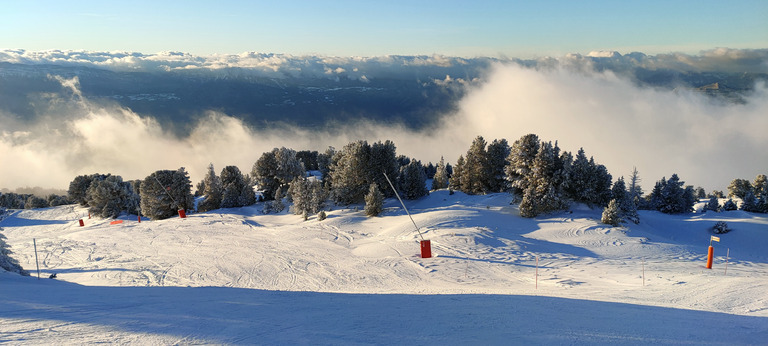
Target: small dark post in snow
34	243
537	271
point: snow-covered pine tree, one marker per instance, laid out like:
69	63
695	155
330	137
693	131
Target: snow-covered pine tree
580	189
164	192
413	180
374	201
456	180
475	172
542	178
729	205
6	261
612	214
109	197
247	195
739	188
324	162
601	182
749	203
440	181
635	190
288	165
529	206
713	204
497	154
35	202
264	173
350	174
760	186
383	159
520	162
233	186
78	188
212	191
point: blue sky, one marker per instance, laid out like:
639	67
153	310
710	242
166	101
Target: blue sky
367	28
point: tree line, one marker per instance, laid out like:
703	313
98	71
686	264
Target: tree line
542	177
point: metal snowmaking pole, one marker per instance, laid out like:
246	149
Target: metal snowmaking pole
403	204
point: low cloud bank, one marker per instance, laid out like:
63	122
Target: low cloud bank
707	142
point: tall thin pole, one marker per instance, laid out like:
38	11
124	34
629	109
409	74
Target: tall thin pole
537	271
728	253
403	204
34	243
643	271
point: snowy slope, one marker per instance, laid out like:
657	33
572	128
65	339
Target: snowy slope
238	276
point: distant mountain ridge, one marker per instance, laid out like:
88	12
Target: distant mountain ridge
267	90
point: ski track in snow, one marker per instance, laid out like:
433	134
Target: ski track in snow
238	268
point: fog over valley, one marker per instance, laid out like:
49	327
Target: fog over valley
67	113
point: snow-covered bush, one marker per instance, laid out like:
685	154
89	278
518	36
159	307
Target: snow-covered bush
34	202
322	215
6	261
721	227
612	214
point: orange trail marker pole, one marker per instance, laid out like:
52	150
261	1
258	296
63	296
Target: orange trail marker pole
710	252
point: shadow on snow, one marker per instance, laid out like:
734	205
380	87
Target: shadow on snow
236	315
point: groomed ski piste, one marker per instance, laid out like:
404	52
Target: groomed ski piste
238	276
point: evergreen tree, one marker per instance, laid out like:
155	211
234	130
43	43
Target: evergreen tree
324	162
739	188
165	192
750	203
383	159
35	202
374	201
349	173
6	261
78	188
529	204
760	186
234	188
440	180
612	214
413	180
729	205
496	163
308	196
110	196
545	190
456	180
713	204
520	159
212	191
276	168
635	190
672	198
475	178
580	189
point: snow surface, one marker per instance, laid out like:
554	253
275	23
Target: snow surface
237	276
